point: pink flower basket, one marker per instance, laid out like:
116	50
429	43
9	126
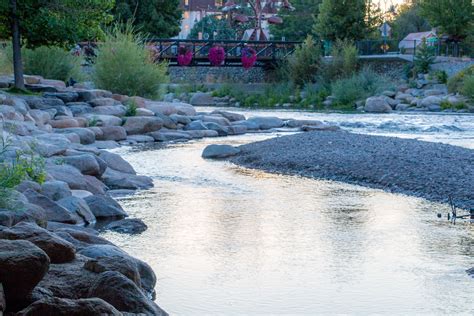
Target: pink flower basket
185	57
216	55
249	57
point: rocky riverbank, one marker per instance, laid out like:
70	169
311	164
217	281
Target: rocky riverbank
52	259
430	170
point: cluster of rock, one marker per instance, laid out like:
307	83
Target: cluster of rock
50	263
428	95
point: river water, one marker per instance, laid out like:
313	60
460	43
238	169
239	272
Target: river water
227	240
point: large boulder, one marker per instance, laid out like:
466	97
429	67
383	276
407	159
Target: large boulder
104	207
68	174
53	211
55	190
232	117
80	208
431	100
166	136
266	122
202	99
142	124
22	266
123	294
168	108
80	239
220	129
64	123
197	125
86	163
57	249
78	108
95	186
299	123
127	226
103	102
91	94
86	136
115	110
128	268
102	120
113	133
49	145
67	307
120	180
377	105
66	96
219	151
116	162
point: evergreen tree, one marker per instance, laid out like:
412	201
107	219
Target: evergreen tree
342	19
453	17
210	24
297	24
424	58
158	18
408	20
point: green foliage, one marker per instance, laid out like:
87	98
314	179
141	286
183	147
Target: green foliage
456	82
52	63
409	20
6	64
46	22
341	20
344	63
297	24
314	95
441	76
131	108
222	91
159	18
454	17
468	87
211	24
124	65
304	64
424	58
359	86
93	122
446	105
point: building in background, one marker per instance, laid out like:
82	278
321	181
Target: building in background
194	11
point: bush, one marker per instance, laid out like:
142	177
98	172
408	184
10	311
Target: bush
441	76
52	63
456	82
468	87
131	109
304	64
344	63
359	86
124	65
6	63
424	58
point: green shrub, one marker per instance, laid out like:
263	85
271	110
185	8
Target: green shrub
314	95
131	108
224	90
456	82
359	86
52	63
124	65
344	63
441	76
304	64
6	63
424	58
468	87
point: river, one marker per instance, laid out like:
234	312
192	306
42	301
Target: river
226	240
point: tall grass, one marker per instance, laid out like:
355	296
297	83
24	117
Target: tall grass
124	65
6	63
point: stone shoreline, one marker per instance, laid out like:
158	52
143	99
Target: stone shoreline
430	170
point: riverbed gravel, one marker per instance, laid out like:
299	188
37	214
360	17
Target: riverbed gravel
425	169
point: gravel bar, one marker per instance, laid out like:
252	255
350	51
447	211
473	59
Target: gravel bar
430	170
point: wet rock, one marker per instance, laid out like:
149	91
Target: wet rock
55	190
95	186
128	226
57	249
86	136
219	151
104	207
87	164
66	96
115	133
320	127
22	266
123	294
167	121
250	125
115	263
80	208
377	105
140	138
116	162
166	136
120	180
63	306
266	122
142	124
201	99
221	130
68	174
195	126
237	129
53	211
232	117
299	123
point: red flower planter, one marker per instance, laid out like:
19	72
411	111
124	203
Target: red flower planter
249	57
216	55
185	57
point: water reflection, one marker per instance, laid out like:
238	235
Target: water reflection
227	240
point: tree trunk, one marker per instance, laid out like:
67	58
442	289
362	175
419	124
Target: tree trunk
16	42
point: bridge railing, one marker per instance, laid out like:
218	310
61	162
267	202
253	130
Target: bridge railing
267	51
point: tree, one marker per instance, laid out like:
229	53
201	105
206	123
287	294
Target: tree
343	19
210	24
453	17
159	18
297	24
50	22
424	58
408	19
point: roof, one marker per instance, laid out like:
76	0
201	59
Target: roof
415	38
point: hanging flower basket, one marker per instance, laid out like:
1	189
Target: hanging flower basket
249	57
216	55
185	56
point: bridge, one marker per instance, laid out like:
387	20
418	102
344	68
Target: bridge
269	53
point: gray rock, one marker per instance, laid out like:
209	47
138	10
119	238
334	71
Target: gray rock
78	108
68	174
299	123
64	306
251	126
66	96
22	266
55	190
127	226
265	123
195	126
219	151
103	102
213	119
431	100
116	162
232	117
53	211
86	136
181	119
79	208
115	133
142	124
86	163
320	127
28	185
57	249
166	136
201	99
167	121
114	110
377	105
91	94
128	268
119	180
140	138
434	108
103	120
95	186
104	207
237	129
